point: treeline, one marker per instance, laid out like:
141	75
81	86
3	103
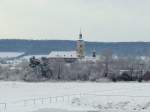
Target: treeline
107	68
46	46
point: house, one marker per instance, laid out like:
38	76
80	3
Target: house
68	56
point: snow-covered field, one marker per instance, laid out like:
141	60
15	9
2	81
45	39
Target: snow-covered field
74	97
10	54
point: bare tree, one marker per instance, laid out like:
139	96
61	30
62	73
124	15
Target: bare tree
107	55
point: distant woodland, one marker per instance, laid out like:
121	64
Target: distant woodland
46	46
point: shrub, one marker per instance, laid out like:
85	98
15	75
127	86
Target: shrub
146	76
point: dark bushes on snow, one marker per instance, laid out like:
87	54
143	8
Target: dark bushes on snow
124	77
146	76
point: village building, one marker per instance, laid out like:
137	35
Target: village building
67	56
70	56
77	54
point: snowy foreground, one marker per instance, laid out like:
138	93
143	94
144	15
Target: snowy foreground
74	97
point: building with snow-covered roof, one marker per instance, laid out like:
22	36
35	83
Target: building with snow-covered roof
67	56
63	54
78	53
71	56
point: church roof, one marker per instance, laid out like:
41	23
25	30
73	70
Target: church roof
63	54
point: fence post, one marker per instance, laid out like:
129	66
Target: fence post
56	99
42	101
50	100
5	107
63	98
68	98
34	101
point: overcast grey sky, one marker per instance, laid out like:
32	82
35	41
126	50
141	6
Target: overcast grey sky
100	20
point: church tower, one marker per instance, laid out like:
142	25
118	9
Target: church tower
80	46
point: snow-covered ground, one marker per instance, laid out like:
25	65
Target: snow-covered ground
10	54
74	97
36	56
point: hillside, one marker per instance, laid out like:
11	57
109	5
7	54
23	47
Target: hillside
45	46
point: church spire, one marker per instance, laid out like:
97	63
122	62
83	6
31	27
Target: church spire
80	35
80	46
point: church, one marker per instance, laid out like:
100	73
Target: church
70	56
